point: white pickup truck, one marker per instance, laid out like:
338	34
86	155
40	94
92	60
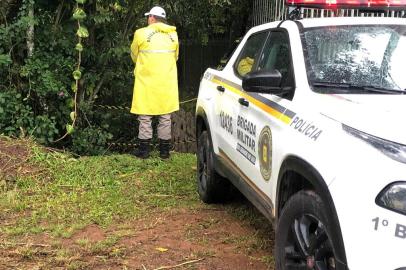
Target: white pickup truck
307	121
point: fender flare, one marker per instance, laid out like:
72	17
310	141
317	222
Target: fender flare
201	113
306	170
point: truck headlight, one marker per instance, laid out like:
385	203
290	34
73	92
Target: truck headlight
393	197
391	149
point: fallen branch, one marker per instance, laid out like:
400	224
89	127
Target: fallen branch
178	265
164	196
26	244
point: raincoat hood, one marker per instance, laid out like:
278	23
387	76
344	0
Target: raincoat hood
162	27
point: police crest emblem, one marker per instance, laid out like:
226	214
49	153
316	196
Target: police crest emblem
265	152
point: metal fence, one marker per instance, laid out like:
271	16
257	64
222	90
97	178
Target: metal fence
194	59
273	10
267	11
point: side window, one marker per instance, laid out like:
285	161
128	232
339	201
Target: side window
276	55
249	54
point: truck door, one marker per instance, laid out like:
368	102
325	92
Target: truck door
229	99
263	118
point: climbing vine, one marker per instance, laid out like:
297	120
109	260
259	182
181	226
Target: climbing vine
79	15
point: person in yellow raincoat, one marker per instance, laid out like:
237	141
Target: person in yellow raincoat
155	50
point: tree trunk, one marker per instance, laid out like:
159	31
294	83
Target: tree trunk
30	30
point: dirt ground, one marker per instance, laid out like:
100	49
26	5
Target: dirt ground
13	159
199	238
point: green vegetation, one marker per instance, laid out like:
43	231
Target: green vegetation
73	193
46	89
84	213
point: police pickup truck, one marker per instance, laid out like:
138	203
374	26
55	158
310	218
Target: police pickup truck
307	120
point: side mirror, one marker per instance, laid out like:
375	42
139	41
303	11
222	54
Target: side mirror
263	82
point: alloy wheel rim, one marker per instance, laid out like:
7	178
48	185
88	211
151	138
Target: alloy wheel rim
308	246
203	167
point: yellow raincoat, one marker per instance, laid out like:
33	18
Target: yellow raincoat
154	51
245	65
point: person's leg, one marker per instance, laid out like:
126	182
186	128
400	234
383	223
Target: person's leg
144	136
145	127
164	135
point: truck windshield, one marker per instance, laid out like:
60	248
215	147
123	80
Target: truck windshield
356	59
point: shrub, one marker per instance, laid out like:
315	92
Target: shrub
90	141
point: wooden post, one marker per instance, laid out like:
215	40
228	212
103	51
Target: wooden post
183	132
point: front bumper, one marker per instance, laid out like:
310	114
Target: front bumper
374	237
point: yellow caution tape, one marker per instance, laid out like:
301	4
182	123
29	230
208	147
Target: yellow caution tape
116	107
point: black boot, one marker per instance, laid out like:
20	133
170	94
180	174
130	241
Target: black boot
143	149
164	147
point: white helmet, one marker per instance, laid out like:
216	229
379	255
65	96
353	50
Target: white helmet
157	11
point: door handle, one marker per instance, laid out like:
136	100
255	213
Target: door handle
243	102
221	88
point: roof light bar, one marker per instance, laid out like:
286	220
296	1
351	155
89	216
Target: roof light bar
365	4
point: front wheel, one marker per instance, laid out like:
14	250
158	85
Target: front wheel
212	187
304	236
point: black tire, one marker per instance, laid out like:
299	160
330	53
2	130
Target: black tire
212	187
304	236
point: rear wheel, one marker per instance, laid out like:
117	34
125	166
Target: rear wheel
212	187
303	238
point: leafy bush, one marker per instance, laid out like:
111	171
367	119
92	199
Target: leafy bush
17	119
44	129
5	59
90	141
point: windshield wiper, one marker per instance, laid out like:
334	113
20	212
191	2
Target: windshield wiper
348	87
383	90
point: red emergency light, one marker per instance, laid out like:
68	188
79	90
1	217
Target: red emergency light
364	4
